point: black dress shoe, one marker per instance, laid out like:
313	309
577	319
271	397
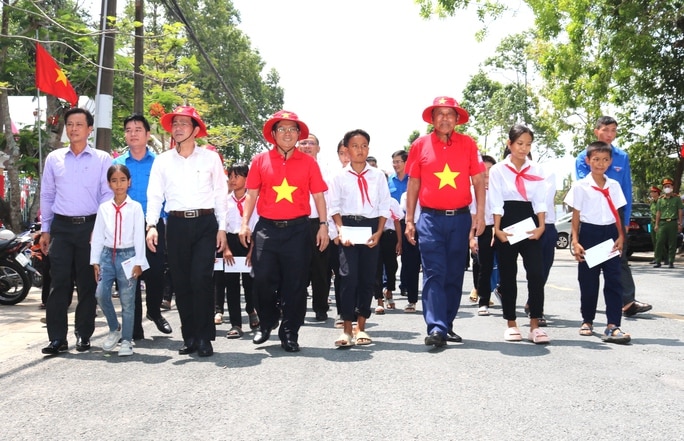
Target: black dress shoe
671	265
453	337
261	336
55	347
82	344
657	265
188	347
290	346
321	316
162	324
204	348
435	339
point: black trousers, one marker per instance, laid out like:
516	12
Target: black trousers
358	265
319	271
70	257
410	265
387	263
191	246
154	283
281	259
227	286
485	265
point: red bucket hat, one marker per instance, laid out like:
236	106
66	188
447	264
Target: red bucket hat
167	119
445	101
284	115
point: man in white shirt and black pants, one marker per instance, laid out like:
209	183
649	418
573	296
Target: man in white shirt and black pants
193	183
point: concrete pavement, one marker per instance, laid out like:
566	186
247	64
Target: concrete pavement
485	388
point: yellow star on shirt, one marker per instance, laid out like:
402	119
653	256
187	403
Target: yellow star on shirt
284	191
447	177
61	77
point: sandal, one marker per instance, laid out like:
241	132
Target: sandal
390	301
512	334
362	339
379	310
483	311
473	296
344	340
538	337
253	320
234	332
410	307
586	330
615	335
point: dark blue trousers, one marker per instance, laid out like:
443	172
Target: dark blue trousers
589	278
444	250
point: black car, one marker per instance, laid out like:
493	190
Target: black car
639	230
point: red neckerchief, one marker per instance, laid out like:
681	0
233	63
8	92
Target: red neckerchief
363	186
519	176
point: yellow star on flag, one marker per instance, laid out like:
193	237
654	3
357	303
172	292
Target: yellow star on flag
447	177
284	191
61	77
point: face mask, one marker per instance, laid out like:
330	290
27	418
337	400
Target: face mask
667	190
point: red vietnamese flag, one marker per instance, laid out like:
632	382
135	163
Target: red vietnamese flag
50	78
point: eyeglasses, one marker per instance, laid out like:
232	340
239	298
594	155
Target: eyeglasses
181	124
287	129
397	162
305	142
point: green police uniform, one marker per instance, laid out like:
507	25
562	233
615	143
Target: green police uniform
669	207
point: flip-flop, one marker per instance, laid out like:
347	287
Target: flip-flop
365	339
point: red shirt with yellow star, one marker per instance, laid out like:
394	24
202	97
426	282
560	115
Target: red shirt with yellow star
444	170
284	185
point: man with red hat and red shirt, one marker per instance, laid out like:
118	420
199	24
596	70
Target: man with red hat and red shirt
279	183
192	182
440	166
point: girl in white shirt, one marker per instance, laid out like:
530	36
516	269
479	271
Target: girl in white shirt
118	237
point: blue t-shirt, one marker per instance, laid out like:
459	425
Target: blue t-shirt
619	170
397	187
140	176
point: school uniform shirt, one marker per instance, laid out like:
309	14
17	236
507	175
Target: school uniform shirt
332	229
349	197
444	170
592	204
284	185
416	213
129	229
234	216
550	181
396	213
489	217
195	182
502	186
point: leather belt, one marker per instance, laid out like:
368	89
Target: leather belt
286	223
190	214
666	220
453	212
76	220
356	218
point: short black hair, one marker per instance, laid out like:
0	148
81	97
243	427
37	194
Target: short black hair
490	159
605	121
239	168
77	110
599	147
402	153
137	117
352	133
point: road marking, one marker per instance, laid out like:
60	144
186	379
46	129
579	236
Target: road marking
668	315
561	288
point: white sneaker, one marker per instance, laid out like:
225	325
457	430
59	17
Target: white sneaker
218	318
111	340
126	349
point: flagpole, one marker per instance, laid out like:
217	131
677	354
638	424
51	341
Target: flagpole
40	135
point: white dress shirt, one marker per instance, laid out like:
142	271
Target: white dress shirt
195	182
592	204
346	198
132	230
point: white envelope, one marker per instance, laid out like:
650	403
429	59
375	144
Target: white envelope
239	267
356	235
519	230
128	265
598	254
218	263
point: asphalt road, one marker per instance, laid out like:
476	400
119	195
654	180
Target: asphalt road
576	388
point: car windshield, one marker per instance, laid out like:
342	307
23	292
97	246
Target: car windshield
641	210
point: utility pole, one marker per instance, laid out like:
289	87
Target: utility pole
105	80
138	90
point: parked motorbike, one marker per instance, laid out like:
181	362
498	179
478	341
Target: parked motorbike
15	282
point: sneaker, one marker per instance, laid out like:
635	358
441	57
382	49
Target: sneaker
126	349
111	340
483	311
218	318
